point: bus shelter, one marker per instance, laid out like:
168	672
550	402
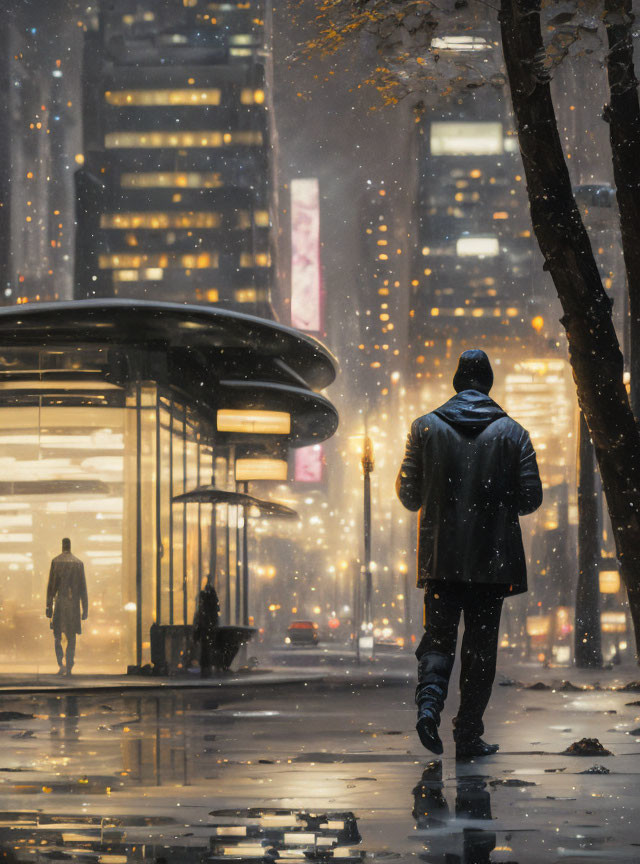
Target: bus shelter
111	409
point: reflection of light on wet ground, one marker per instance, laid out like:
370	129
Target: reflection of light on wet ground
248	714
593	702
286	834
104	775
243	836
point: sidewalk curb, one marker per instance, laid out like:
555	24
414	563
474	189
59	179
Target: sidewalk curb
210	686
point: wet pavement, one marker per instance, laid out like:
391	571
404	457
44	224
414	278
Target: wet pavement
330	769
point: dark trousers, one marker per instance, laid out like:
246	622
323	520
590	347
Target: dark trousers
71	648
481	606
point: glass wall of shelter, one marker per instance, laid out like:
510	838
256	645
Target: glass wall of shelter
100	462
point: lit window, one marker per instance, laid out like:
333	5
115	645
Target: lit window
129	260
126	276
261	218
246	295
153	273
160	220
172	180
122	98
251	97
212	295
153	140
260	259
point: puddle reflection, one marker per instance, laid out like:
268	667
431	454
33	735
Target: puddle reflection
447	837
265	834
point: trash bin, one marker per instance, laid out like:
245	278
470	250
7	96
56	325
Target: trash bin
172	647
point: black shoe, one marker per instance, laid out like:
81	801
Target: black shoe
472	748
427	729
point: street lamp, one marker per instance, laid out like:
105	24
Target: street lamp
367	468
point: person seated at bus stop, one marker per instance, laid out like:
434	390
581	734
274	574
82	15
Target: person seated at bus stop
67	604
205	622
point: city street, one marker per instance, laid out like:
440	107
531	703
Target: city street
328	768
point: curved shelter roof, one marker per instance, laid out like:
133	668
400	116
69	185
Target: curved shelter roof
222	358
176	325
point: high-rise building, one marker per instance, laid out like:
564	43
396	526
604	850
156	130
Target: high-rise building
173	198
472	283
37	143
382	304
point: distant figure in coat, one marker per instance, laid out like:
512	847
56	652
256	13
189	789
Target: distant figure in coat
471	472
67	603
205	623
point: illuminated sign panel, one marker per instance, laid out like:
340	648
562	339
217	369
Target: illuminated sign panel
254	421
261	469
466	139
477	246
309	464
305	255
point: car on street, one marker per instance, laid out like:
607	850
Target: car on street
302	633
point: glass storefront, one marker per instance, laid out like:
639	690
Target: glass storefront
98	463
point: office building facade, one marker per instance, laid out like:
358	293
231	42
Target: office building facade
173	198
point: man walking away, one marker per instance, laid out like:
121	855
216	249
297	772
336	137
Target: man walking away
471	472
67	603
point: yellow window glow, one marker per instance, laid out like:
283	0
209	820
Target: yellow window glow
172	180
609	581
160	220
184	96
246	295
154	140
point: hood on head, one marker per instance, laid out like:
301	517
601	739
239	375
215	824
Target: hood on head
474	372
470	411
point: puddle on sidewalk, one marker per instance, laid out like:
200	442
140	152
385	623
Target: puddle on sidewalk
251	835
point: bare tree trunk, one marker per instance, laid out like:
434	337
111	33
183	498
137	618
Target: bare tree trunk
594	351
623	115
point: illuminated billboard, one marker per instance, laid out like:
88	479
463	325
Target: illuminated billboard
466	139
305	255
308	464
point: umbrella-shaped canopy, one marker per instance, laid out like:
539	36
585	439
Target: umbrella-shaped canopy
213	495
273	508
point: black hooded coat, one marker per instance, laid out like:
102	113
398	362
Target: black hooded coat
471	471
